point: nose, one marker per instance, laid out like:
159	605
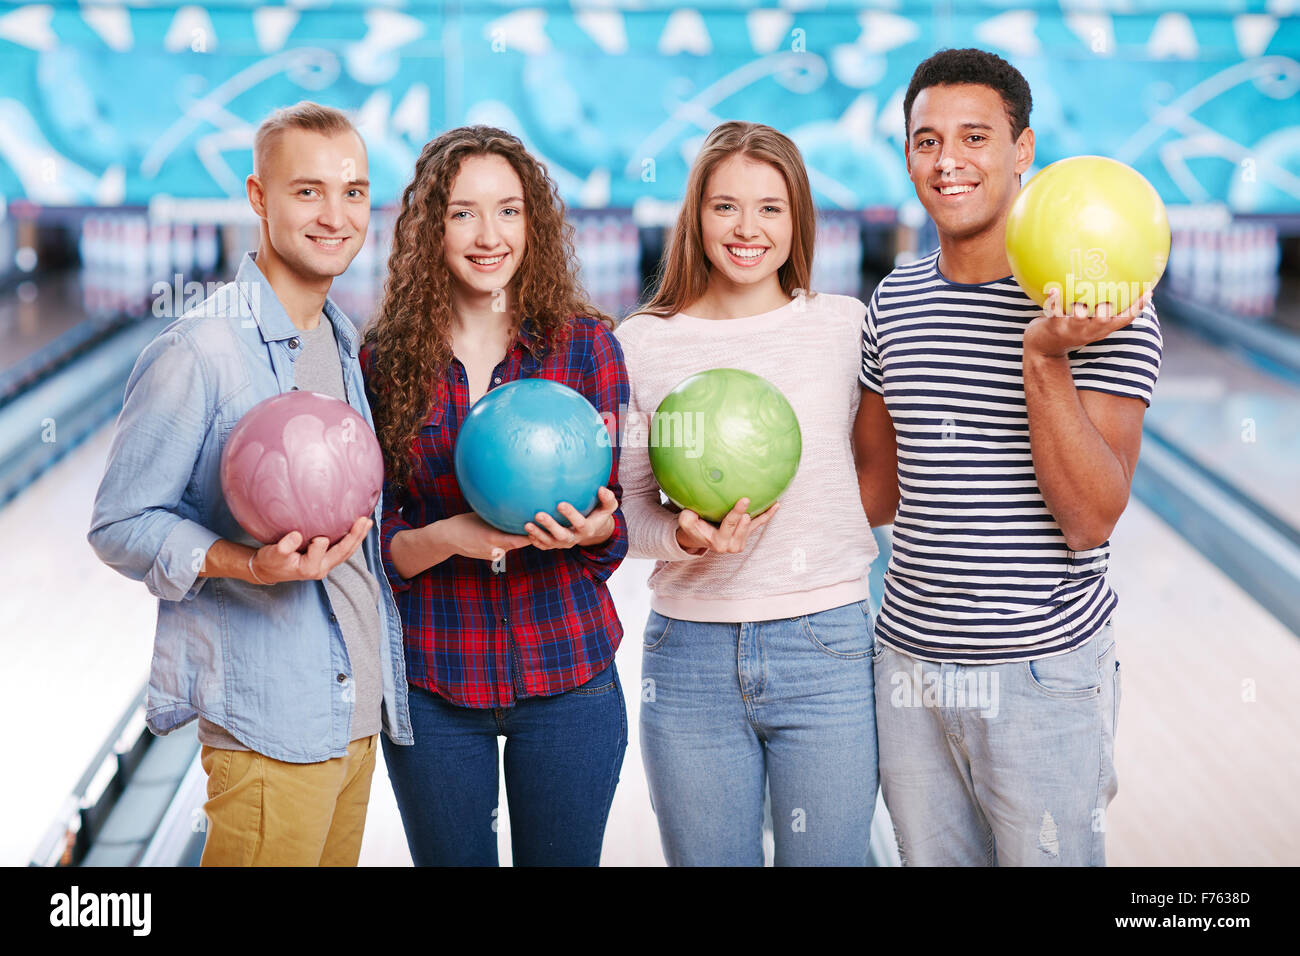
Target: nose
745	225
332	213
947	165
487	233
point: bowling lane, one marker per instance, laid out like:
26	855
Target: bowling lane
35	313
1287	315
1206	749
1234	418
75	637
1207	766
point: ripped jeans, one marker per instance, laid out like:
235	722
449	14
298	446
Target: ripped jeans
999	764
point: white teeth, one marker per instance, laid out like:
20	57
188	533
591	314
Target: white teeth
954	190
745	253
486	262
328	243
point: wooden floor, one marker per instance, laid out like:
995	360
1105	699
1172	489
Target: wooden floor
1208	746
1208	758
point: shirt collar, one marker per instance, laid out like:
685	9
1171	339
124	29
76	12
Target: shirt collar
273	321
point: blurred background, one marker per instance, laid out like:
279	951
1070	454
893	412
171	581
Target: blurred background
125	137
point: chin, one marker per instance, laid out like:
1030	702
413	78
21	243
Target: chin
312	263
477	285
963	229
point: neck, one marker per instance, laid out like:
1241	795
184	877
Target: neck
303	297
972	260
725	299
478	317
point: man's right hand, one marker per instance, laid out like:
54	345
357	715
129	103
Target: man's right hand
281	561
696	535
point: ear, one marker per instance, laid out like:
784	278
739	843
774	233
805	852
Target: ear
907	158
1024	150
256	195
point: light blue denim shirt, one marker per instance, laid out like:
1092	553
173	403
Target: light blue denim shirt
266	663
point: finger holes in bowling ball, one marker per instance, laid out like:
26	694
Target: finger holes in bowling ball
747	428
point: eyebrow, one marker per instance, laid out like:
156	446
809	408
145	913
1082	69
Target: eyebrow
471	203
302	181
966	125
734	199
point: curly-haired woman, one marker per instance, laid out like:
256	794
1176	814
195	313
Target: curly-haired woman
506	635
758	647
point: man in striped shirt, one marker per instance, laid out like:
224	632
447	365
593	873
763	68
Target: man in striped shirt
1000	439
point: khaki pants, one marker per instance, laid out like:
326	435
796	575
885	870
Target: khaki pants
264	812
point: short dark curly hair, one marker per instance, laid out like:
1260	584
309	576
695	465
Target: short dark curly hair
973	66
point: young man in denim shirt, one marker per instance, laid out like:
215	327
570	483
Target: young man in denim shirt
292	661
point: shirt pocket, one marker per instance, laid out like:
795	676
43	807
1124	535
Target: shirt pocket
434	453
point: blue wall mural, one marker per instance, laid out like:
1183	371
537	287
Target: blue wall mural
115	103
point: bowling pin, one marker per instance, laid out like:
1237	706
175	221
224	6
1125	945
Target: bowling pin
206	250
183	250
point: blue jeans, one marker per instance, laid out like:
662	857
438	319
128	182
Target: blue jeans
727	706
562	758
1000	764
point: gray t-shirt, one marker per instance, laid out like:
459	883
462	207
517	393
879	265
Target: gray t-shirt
352	590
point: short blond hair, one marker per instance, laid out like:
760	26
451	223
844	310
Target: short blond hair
306	115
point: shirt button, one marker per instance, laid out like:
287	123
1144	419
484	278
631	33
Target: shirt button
293	343
497	380
343	678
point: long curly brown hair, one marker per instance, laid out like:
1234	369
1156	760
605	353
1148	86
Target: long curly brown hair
409	341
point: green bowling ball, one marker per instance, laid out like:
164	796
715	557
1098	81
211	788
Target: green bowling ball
723	435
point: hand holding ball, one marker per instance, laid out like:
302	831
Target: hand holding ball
1091	227
723	435
528	445
301	461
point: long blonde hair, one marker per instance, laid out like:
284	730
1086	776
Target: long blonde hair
685	269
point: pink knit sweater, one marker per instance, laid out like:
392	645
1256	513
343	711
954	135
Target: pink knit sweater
815	552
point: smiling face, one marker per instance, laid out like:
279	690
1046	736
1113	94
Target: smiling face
745	220
485	228
962	159
313	190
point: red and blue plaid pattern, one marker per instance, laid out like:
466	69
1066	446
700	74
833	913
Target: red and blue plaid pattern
546	623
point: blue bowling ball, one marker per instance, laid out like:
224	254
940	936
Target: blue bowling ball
528	445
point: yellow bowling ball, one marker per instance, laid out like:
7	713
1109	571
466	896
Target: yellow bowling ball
1092	227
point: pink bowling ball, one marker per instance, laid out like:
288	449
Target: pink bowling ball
301	461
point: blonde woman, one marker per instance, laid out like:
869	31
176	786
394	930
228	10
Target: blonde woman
757	654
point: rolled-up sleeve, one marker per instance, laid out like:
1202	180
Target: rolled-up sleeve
391	523
135	526
605	384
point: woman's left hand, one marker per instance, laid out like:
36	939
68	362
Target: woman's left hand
547	534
